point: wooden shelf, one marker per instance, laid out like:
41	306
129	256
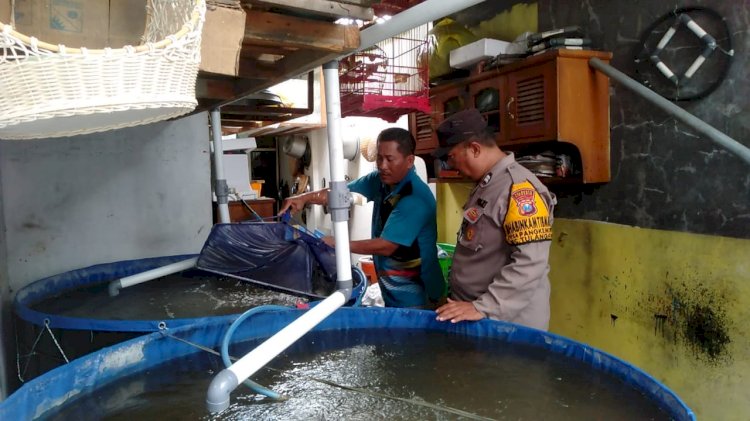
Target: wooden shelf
553	99
264	207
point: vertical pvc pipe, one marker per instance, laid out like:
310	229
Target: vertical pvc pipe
337	162
220	184
228	379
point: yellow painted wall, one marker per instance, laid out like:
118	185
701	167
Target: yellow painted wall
450	198
676	305
505	25
509	24
681	301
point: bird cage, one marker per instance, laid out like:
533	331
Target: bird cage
385	81
51	90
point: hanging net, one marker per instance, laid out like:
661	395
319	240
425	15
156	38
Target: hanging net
51	90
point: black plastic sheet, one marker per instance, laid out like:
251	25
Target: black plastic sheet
274	255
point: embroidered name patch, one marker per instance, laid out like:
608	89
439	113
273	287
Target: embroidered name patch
472	215
527	218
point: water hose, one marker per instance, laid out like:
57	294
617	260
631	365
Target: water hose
255	387
227	339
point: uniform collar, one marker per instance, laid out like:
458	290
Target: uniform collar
503	164
496	169
389	192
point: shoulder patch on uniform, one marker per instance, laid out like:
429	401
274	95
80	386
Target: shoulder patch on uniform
527	218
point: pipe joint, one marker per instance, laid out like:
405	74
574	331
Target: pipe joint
221	386
345	287
222	191
114	288
339	201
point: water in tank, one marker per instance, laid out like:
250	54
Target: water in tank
359	363
65	316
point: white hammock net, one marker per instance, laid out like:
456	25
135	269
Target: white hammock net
52	90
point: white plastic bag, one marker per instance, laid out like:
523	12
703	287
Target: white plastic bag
372	297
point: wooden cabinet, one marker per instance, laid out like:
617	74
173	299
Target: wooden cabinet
420	126
530	104
239	212
486	96
553	101
449	102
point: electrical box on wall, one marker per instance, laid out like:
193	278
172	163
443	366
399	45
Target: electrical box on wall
237	173
236	161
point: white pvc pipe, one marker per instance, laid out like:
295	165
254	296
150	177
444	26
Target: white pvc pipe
139	278
410	18
219	162
241	370
265	352
273	346
337	162
158	272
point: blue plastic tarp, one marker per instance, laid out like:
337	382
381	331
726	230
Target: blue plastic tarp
274	255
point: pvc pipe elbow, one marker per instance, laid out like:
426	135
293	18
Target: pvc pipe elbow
217	398
345	287
114	288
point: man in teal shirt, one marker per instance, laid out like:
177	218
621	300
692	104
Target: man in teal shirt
404	231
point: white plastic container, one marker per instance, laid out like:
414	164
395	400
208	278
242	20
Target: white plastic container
473	53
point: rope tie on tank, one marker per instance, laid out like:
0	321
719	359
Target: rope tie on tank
57	344
27	356
435	407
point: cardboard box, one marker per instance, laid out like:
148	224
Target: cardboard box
79	23
127	22
5	12
221	41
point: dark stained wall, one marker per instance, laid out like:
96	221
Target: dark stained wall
664	174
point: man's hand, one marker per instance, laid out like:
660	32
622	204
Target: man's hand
458	311
298	202
330	241
295	203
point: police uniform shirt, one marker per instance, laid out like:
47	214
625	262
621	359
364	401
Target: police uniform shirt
501	258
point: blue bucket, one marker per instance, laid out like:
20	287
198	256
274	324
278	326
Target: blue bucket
67	386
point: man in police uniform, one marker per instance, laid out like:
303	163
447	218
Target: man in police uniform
500	264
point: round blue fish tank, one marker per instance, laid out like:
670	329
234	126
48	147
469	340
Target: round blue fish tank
363	363
66	316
